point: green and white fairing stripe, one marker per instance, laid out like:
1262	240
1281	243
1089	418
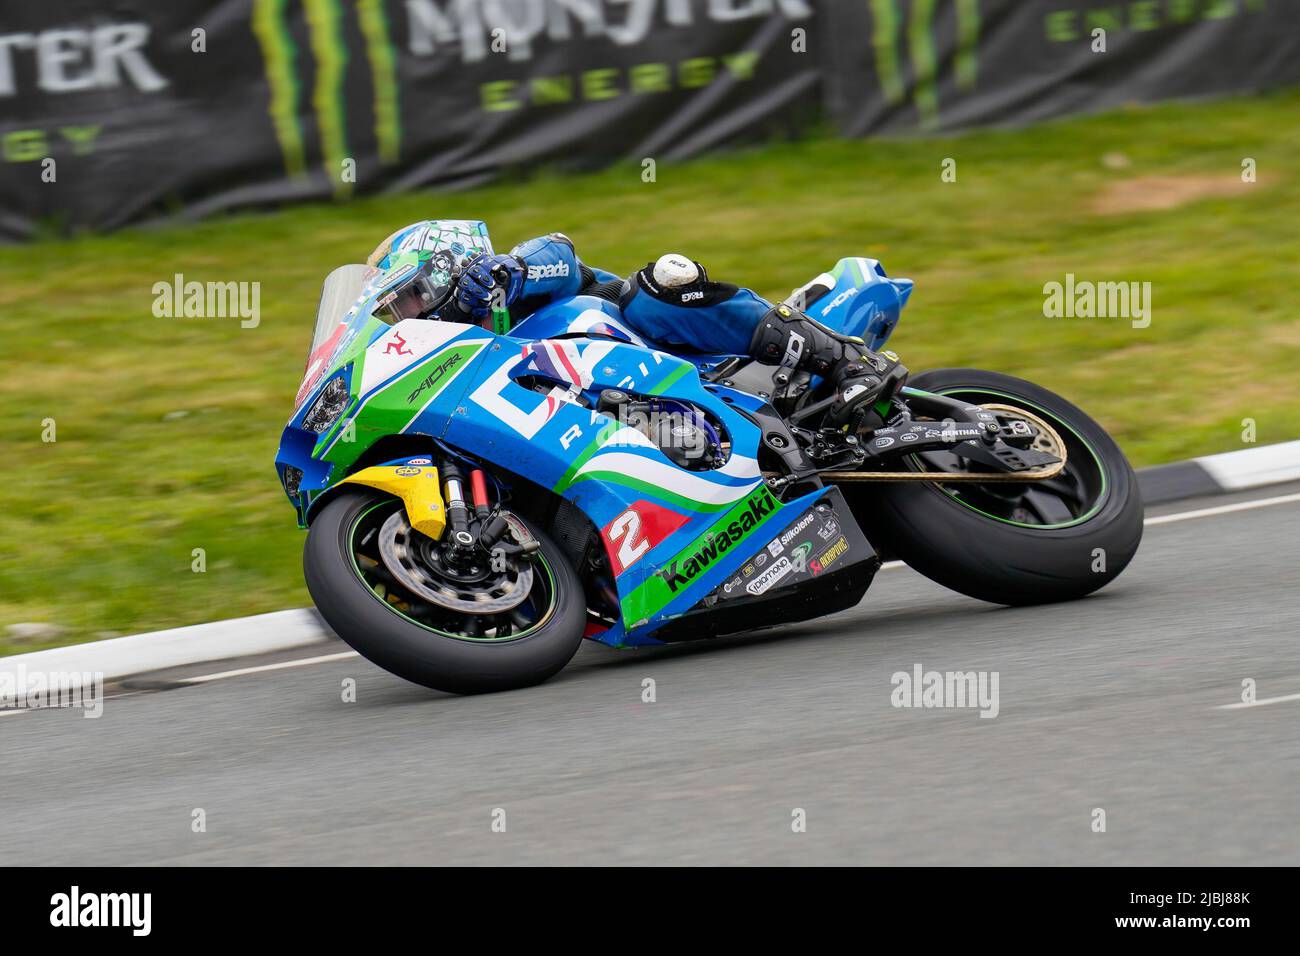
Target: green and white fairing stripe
391	404
616	460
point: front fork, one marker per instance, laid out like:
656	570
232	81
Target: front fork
474	524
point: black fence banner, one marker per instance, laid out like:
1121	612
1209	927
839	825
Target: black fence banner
121	111
944	65
116	112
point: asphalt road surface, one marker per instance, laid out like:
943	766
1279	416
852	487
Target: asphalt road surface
1114	702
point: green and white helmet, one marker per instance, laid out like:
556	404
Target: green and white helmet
417	266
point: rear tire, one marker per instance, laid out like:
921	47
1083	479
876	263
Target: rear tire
995	559
386	637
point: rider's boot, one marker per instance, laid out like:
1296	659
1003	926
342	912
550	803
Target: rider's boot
860	377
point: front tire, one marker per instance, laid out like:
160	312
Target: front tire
436	657
983	540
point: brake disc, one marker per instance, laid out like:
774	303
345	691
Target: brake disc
412	561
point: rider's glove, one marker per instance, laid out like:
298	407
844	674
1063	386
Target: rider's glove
479	282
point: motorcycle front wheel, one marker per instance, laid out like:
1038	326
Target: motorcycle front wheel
1013	543
384	590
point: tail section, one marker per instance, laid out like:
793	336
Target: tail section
855	298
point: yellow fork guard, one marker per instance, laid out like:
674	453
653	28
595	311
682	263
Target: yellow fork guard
419	489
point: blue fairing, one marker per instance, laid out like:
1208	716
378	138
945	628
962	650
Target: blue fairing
863	301
676	538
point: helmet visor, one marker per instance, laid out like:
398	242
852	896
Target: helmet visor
416	296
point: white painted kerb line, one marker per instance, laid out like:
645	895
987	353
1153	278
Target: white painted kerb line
1223	509
324	658
1259	703
1252	467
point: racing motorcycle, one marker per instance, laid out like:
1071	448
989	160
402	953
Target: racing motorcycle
479	501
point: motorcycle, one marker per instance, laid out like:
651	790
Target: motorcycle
477	502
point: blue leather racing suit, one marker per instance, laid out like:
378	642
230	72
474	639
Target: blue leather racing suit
712	317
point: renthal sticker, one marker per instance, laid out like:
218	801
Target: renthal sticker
779	569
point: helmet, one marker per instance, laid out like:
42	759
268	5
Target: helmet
411	287
417	266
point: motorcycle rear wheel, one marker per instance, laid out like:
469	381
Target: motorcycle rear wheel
400	631
1007	543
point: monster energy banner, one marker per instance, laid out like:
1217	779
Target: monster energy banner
112	112
952	64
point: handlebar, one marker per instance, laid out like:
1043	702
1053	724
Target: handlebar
500	280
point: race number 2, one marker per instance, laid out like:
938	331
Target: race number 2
638	530
625	534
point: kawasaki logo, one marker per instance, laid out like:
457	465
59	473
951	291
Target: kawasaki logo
555	270
682	572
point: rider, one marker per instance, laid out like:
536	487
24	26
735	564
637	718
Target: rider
671	301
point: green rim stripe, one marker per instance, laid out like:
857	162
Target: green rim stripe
1101	469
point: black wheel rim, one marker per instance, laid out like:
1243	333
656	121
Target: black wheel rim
1071	498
